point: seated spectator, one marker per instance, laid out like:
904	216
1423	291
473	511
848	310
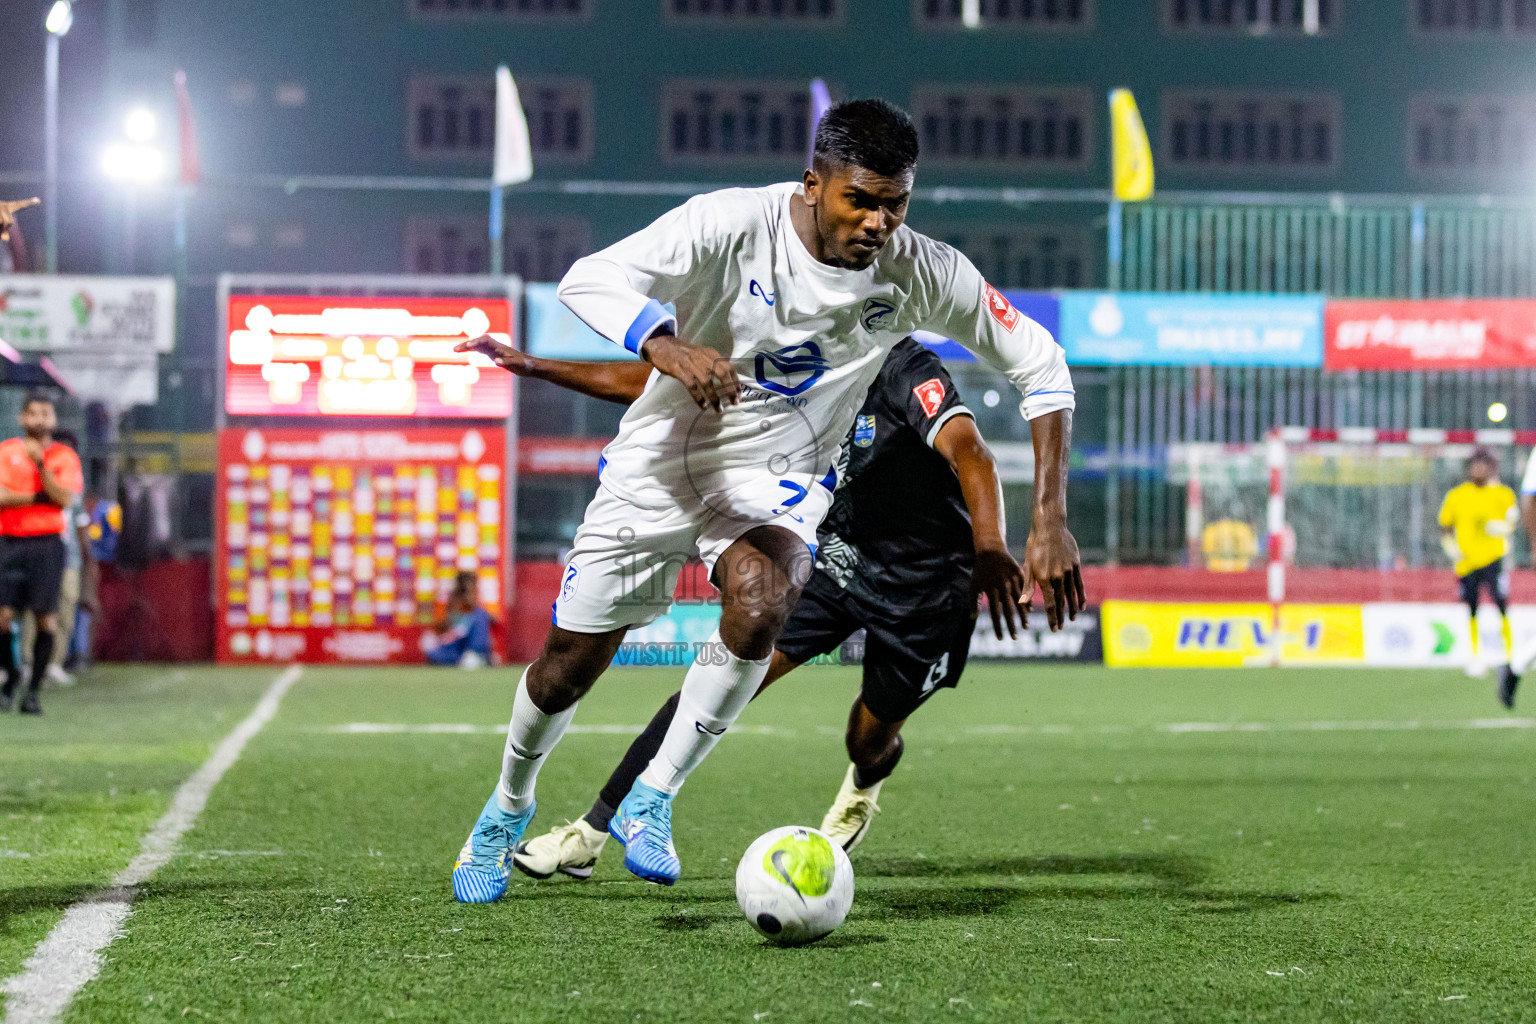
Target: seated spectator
463	637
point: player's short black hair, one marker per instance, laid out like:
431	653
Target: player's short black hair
1483	455
872	134
35	396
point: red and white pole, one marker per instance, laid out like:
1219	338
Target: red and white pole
1275	515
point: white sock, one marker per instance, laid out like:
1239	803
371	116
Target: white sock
713	695
1524	656
530	735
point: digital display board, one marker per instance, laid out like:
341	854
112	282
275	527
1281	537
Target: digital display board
342	545
299	355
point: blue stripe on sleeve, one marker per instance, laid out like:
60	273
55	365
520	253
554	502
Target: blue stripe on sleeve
1032	394
652	316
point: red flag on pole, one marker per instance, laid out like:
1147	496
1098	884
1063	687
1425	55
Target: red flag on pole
191	171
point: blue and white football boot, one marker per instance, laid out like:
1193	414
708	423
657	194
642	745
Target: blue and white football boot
484	865
643	823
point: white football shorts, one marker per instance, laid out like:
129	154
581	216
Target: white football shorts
626	558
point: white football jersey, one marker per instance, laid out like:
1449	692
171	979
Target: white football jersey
806	340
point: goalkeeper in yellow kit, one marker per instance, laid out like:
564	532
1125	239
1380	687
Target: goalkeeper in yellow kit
1476	520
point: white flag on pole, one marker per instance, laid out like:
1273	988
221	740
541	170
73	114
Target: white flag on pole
514	156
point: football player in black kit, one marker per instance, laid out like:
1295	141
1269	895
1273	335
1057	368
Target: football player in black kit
913	539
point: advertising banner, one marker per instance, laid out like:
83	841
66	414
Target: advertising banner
341	545
1421	635
1180	329
554	332
1148	634
300	355
103	334
1078	640
1438	334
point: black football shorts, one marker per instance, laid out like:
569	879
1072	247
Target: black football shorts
907	656
31	573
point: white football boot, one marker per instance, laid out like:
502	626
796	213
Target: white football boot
852	813
572	849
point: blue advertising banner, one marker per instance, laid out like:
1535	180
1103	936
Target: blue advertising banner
554	332
1041	307
1178	329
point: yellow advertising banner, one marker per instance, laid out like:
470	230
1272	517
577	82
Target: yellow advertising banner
1154	634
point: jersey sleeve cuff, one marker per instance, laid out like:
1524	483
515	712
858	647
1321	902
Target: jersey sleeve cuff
945	417
653	316
1042	403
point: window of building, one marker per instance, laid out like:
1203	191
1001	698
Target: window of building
537	249
1471	133
1054	14
1252	17
751	11
1014	127
1473	16
529	9
1025	255
456	117
1253	131
724	121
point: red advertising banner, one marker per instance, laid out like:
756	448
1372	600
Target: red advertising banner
299	355
1435	334
341	545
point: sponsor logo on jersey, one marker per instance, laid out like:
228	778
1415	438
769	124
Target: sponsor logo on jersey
1002	310
798	368
568	584
864	431
931	394
877	315
756	289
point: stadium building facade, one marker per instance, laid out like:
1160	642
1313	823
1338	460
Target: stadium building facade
1276	172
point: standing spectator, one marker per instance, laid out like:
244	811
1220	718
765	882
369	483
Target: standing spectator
463	637
39	479
103	524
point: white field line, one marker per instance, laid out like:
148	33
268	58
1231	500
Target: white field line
1177	728
71	955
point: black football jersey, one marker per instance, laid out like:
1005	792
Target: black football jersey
898	530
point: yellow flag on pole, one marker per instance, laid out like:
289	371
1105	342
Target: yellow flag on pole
1130	154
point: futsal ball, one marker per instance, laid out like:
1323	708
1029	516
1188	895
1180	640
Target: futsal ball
795	885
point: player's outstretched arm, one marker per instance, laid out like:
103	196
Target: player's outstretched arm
611	382
996	574
1051	551
8	211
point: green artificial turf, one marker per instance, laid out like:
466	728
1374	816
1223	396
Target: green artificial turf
1048	851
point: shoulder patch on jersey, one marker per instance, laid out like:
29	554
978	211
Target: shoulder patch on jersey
864	431
1001	309
931	394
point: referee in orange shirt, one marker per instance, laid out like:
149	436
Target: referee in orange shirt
39	479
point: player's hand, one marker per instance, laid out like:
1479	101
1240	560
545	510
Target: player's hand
1051	557
8	214
504	356
709	377
999	577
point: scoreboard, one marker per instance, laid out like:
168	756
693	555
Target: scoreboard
340	545
299	355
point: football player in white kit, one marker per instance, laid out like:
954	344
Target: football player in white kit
787	299
1523	654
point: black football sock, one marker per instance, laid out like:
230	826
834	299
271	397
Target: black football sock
8	662
864	777
42	654
636	758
